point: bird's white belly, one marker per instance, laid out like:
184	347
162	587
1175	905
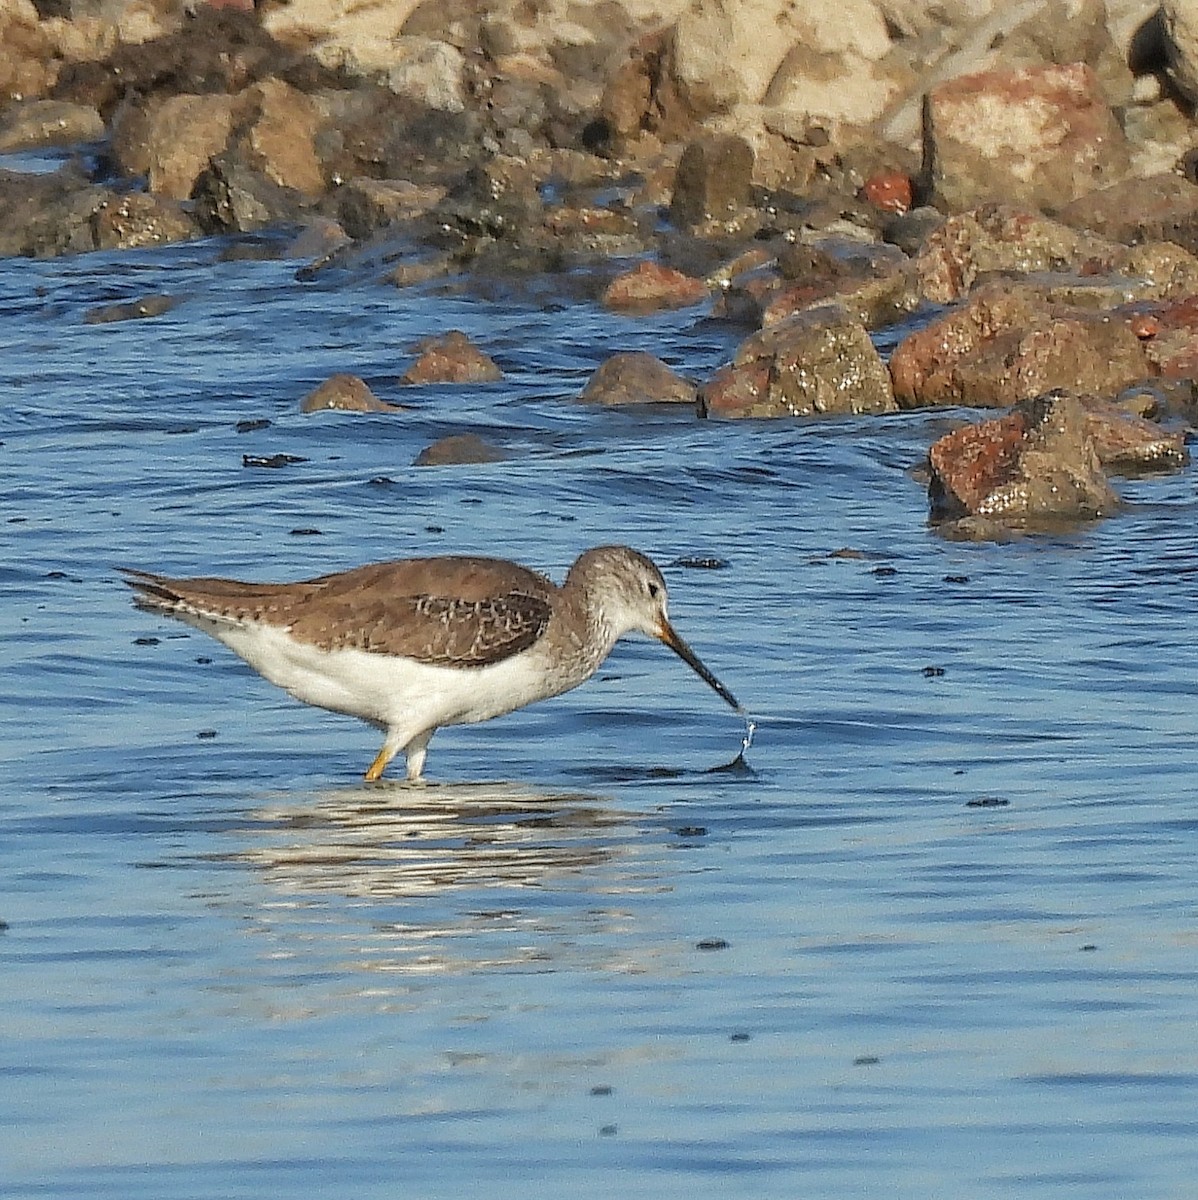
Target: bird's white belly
383	689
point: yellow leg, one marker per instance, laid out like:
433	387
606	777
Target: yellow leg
374	772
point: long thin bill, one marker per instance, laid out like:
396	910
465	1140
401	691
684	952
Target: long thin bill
688	656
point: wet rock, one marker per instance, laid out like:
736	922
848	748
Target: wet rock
451	358
1008	345
496	199
816	363
713	181
1041	136
366	205
134	220
230	197
46	215
459	449
911	231
1129	444
345	393
998	238
421	270
649	287
1172	346
48	123
132	310
1036	465
1161	208
636	377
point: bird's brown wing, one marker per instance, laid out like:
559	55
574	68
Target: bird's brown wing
449	611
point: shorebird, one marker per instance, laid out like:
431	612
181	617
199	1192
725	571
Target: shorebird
415	644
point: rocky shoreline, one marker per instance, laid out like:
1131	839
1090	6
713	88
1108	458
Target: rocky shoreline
1017	180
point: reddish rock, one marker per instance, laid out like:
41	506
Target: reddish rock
1040	135
737	390
650	287
1009	345
451	358
345	393
635	377
816	363
889	191
457	450
1035	465
998	238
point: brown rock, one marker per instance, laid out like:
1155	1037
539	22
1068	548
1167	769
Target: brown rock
182	133
1038	135
364	205
457	450
48	123
649	287
1008	345
345	393
131	310
451	358
132	220
1035	465
816	363
278	130
27	64
998	238
230	197
1129	444
1162	207
636	377
713	181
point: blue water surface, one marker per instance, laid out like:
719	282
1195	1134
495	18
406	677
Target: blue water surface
936	939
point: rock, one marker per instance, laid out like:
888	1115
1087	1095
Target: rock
230	197
649	287
713	181
27	64
998	238
890	191
816	363
134	220
342	34
278	128
131	310
345	393
1041	136
1034	466
451	358
1179	25
636	377
366	205
172	141
1008	345
457	450
728	52
35	123
845	88
1129	444
46	215
428	71
1161	208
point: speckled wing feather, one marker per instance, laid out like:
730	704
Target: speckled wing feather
450	611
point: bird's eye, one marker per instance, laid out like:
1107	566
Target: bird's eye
653	590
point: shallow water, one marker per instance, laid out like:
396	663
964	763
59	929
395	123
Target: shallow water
936	938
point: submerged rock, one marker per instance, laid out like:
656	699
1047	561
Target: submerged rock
345	393
636	377
459	449
649	287
451	358
1035	465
